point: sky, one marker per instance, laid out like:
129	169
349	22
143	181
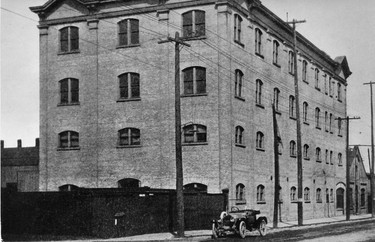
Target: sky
338	27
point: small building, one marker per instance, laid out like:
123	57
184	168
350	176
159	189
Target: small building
359	183
20	167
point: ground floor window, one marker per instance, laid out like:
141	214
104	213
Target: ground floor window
340	198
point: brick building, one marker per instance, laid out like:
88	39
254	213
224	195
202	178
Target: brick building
20	167
107	101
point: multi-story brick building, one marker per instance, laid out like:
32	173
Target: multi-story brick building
107	101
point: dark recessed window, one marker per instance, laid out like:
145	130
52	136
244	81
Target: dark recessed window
194	80
68	139
69	39
129	85
69	91
238	83
260	140
237	28
258	92
258	41
129	136
275	56
194	133
193	24
239	135
260	194
128	32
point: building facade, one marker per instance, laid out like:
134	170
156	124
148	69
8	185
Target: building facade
107	101
20	167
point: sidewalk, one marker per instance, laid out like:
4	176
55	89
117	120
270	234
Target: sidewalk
198	235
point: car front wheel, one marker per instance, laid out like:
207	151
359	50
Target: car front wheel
242	229
263	227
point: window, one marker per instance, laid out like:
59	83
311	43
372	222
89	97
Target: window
129	183
292	106
363	197
194	80
240	192
291	62
325	84
128	32
193	24
260	141
276	96
195	133
293	196
317	79
258	92
318	195
331	157
339	157
339	92
260	194
304	71
326	157
68	139
330	86
239	135
237	28
330	122
306	152
317	117
69	91
292	148
326	121
327	195
129	85
258	42
318	154
129	136
69	39
238	83
306	194
331	195
340	198
304	114
339	126
275	58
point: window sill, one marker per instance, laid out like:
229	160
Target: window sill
318	201
128	99
194	144
331	132
304	122
327	131
261	202
127	46
260	149
306	158
317	88
259	54
291	117
68	104
294	201
278	112
190	38
340	135
194	95
239	43
340	165
277	65
259	105
128	146
68	148
240	145
291	73
305	81
308	201
68	52
239	98
317	127
319	161
293	156
339	100
238	202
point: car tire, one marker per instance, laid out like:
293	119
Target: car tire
242	229
214	231
262	227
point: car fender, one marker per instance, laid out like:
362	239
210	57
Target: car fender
260	218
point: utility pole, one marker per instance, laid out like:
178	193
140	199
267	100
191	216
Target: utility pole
347	197
179	167
277	171
372	154
299	143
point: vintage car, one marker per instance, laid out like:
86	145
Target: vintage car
239	222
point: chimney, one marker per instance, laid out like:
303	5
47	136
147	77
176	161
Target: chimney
19	143
2	144
37	142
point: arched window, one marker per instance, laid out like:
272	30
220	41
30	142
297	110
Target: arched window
276	97
306	194
238	83
258	92
326	121
318	154
327	195
306	152
339	92
69	91
293	196
340	198
330	122
258	41
292	106
331	195
318	195
195	133
275	56
239	135
193	24
291	62
304	71
68	139
68	188
194	80
240	191
317	85
237	28
305	109
129	85
339	126
292	148
196	187
129	136
260	194
128	32
317	117
339	157
363	197
129	183
69	39
260	140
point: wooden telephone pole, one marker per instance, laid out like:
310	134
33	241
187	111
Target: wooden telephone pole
276	143
179	167
372	154
299	143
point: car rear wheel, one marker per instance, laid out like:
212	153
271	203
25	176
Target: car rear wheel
242	229
263	227
214	231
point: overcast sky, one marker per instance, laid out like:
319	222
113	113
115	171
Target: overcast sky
338	27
